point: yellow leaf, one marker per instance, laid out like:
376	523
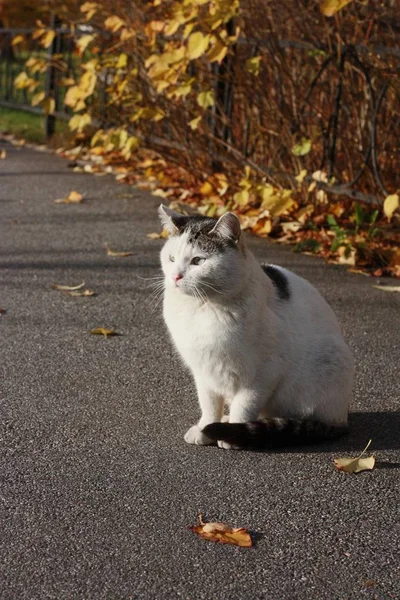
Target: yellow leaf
241	198
172	27
75	98
302	148
392	202
122	61
110	252
217	52
187	31
38	98
197	45
103	331
17	40
47	38
90	8
67	288
301	176
219	532
194	123
79	122
72	198
206	99
3	154
206	189
22	80
113	23
48	105
84	41
330	7
387	288
253	65
356	465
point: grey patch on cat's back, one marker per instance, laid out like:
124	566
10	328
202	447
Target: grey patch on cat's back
279	280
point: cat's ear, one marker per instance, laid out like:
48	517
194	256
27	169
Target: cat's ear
171	220
228	227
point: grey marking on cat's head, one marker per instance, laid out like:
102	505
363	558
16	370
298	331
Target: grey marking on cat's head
210	235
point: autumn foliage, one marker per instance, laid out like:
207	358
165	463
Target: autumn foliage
280	111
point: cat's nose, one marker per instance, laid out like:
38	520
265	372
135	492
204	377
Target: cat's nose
177	277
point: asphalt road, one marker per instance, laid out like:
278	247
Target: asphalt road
98	487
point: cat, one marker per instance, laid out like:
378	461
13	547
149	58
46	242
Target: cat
257	339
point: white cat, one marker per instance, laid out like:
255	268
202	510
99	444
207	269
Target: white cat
260	340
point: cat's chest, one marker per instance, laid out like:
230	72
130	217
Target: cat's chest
203	333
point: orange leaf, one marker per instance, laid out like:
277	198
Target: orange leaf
219	532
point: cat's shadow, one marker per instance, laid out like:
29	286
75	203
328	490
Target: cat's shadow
383	428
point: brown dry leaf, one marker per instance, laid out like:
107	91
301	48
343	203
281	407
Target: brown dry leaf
387	288
67	288
110	252
219	532
103	331
3	154
73	197
2	311
356	465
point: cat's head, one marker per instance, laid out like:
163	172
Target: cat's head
202	256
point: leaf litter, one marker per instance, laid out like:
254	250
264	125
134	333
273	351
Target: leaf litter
356	465
222	533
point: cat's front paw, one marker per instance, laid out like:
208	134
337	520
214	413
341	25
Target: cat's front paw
194	435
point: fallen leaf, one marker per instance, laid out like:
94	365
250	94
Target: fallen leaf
87	293
67	288
2	311
103	331
358	272
356	465
72	198
219	532
157	236
110	252
330	7
387	288
3	154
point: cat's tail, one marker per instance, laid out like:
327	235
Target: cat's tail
274	432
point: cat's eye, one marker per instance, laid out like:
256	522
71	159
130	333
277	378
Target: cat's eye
172	258
197	260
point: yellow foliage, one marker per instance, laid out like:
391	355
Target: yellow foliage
84	41
391	203
206	99
197	45
113	23
90	9
253	65
49	106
